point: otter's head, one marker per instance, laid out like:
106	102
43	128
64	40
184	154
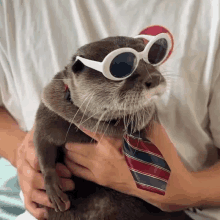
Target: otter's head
99	100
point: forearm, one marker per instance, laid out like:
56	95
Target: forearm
190	189
10	136
203	190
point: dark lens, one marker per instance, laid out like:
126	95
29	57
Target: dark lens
158	51
123	65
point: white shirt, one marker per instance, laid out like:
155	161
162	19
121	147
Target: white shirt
38	39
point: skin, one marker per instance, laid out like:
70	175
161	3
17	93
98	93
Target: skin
182	190
185	189
17	147
178	196
11	136
31	179
106	154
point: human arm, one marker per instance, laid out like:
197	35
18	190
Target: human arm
31	179
11	136
17	147
105	165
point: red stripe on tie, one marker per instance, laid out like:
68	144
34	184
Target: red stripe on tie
147	169
151	189
143	146
144	172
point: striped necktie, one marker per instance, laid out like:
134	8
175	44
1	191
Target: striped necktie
146	163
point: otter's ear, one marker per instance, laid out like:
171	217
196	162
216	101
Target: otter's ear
77	66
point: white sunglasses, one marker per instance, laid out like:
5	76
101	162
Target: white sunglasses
122	62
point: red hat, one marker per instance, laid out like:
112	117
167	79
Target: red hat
157	29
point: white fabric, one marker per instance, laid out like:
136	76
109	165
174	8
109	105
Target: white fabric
38	39
26	215
1	103
10	203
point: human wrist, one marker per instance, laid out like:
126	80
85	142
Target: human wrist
192	196
207	188
196	193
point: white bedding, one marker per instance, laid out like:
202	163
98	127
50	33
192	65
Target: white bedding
38	38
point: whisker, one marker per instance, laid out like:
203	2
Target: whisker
62	79
98	122
74	118
80	123
105	130
89	118
138	141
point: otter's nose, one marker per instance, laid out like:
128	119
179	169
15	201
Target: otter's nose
154	80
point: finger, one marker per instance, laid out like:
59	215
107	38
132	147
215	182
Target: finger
31	156
80	171
67	184
82	149
31	152
38	183
38	213
93	149
93	135
40	197
28	175
63	171
103	139
80	159
37	180
96	136
33	160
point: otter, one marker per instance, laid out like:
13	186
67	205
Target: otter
80	95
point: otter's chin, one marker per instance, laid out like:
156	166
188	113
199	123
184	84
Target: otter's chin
135	122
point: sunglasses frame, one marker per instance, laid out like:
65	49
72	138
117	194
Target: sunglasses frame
104	66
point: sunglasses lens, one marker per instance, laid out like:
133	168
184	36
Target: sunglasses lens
158	51
123	65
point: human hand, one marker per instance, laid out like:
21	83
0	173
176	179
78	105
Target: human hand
31	179
182	190
104	164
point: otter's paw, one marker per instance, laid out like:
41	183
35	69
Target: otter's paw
54	191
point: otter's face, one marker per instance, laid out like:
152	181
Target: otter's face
103	99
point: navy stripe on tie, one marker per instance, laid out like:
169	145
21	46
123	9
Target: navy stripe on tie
148	180
144	151
145	157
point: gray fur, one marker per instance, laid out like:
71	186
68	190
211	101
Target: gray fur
100	105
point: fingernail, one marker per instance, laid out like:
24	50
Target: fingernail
67	205
81	127
67	146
